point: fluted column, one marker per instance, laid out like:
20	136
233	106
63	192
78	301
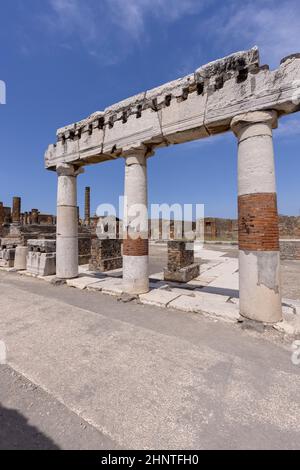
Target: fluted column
135	247
259	255
67	224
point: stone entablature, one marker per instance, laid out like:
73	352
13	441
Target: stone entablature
196	106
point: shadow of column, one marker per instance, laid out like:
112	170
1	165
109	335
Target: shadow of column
17	434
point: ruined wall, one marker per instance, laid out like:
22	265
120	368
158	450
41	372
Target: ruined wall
106	255
290	249
178	255
289	227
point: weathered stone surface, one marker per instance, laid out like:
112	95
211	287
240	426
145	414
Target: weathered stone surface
183	275
41	258
20	258
106	255
181	266
290	249
158	297
192	107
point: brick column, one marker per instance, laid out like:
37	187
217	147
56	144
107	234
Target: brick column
34	216
135	247
87	206
259	255
16	210
1	213
67	225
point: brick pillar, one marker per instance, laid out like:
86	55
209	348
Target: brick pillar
34	216
16	210
259	255
87	206
67	224
135	247
1	213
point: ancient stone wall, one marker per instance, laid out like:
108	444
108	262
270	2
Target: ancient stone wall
181	266
290	249
289	226
106	255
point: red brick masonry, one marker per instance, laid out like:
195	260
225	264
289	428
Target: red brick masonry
138	247
258	222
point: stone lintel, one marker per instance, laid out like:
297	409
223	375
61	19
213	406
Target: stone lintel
201	104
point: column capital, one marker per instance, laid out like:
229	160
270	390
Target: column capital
137	156
64	169
243	121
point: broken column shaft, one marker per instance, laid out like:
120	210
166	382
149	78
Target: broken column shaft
16	210
87	206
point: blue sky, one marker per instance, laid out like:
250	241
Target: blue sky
65	59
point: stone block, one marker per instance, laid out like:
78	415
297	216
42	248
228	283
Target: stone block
41	264
185	274
106	255
21	258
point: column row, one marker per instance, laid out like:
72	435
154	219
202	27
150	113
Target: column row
259	256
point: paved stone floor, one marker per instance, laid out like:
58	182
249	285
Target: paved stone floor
87	371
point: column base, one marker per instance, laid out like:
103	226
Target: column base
67	258
260	289
135	274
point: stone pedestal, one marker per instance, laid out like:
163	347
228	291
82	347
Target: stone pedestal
259	256
7	257
41	258
106	255
20	263
181	266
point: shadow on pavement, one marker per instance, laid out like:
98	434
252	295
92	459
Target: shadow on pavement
17	434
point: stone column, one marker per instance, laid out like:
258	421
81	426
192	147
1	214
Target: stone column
259	255
67	225
34	216
16	210
135	229
87	206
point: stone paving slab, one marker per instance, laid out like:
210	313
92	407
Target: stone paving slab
158	297
110	286
82	282
225	310
226	269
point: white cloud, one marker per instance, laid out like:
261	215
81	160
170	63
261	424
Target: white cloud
107	27
288	127
131	14
274	26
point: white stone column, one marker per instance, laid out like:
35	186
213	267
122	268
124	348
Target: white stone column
135	230
67	222
259	255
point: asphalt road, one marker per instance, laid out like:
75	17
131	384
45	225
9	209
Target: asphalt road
86	371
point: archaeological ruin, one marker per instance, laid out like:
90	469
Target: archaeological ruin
234	94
